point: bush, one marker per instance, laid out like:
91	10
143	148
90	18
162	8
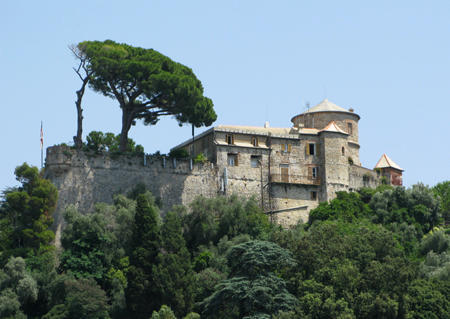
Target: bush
108	142
437	242
179	153
200	158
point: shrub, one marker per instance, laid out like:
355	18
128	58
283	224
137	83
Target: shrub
200	158
100	142
179	153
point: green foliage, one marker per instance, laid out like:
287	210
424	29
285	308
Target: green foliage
42	267
436	247
138	189
83	298
179	153
163	313
146	84
442	190
86	242
18	288
96	246
351	269
346	206
211	219
145	243
436	266
254	258
253	290
26	214
10	305
202	261
108	142
372	254
416	206
200	159
172	275
207	280
437	241
428	299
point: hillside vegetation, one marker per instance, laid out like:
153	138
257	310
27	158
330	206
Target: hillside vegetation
382	253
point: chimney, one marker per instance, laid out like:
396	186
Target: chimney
351	110
266	125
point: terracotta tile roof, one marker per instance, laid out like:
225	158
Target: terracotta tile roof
281	132
332	127
385	161
275	131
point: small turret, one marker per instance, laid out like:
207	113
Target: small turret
389	169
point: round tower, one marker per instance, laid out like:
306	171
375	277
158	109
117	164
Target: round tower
322	114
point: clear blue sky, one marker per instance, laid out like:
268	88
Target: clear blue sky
258	61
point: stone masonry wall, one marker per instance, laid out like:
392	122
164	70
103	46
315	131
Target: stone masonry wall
84	179
362	177
319	120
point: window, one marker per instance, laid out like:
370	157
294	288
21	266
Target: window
229	139
255	161
349	128
313	195
314	172
254	141
343	151
311	149
286	148
232	160
284	173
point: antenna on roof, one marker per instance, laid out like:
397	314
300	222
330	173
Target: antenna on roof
307	105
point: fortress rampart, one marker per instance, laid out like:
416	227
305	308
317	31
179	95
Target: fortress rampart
84	178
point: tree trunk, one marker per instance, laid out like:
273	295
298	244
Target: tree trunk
78	138
126	124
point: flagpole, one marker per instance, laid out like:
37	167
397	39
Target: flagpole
42	147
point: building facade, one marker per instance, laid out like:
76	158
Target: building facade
291	170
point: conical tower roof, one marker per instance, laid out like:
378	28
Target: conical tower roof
326	106
385	162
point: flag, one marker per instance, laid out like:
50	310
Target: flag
42	137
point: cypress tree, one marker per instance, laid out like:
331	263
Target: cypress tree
140	292
173	275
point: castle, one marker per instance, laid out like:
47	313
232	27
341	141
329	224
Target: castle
288	170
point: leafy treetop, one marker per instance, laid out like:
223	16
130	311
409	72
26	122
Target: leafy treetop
147	85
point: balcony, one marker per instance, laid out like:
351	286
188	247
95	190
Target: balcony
294	179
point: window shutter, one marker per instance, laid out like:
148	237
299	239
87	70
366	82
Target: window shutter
232	139
310	172
289	148
307	148
317	148
236	162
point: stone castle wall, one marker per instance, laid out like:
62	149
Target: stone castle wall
84	178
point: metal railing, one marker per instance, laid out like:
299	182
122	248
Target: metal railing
294	179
